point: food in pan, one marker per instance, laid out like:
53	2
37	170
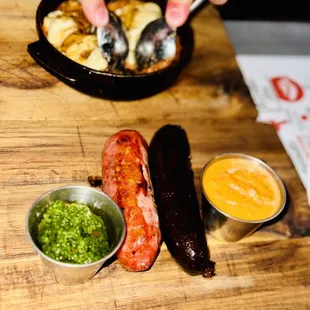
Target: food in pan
126	179
68	30
175	195
71	233
242	188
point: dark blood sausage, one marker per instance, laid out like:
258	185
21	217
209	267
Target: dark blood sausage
180	222
126	179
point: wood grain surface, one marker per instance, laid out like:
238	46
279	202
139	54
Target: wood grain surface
52	135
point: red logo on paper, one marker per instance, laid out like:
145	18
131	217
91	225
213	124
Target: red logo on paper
287	89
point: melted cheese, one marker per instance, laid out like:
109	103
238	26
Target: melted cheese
86	52
96	61
59	27
68	30
50	17
135	16
81	49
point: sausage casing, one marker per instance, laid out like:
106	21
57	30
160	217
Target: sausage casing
126	179
178	209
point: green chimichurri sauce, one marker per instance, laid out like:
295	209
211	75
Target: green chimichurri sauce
71	233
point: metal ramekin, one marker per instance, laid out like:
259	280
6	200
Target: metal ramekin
225	227
102	205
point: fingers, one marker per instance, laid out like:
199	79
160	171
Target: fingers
218	2
177	11
96	12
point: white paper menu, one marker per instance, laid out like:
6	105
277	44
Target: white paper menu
280	88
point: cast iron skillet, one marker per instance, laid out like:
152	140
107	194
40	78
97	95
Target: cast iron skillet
103	84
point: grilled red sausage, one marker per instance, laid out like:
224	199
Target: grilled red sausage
126	179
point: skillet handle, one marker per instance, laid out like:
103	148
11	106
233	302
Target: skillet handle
47	58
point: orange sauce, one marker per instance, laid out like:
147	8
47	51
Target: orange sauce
242	189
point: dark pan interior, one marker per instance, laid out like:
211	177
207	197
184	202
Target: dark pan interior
104	84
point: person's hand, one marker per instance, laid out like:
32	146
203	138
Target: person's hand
177	11
96	12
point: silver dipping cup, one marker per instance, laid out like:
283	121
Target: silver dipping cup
225	227
100	204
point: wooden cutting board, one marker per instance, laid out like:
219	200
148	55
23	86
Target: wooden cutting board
52	135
